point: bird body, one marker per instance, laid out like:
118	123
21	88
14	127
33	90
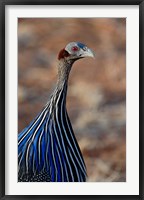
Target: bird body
47	148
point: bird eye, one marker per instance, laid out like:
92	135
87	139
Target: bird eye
84	48
75	48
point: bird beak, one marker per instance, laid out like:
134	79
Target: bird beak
88	53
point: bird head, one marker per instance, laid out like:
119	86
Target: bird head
74	51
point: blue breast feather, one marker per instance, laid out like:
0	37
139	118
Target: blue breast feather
48	150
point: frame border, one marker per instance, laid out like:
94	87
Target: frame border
3	3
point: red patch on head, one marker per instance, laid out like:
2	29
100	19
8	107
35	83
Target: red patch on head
63	53
75	48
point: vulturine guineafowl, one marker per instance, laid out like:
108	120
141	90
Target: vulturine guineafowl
47	148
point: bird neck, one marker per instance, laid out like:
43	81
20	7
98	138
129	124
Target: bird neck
64	68
59	95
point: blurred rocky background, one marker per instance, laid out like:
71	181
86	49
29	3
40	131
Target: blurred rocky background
96	100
